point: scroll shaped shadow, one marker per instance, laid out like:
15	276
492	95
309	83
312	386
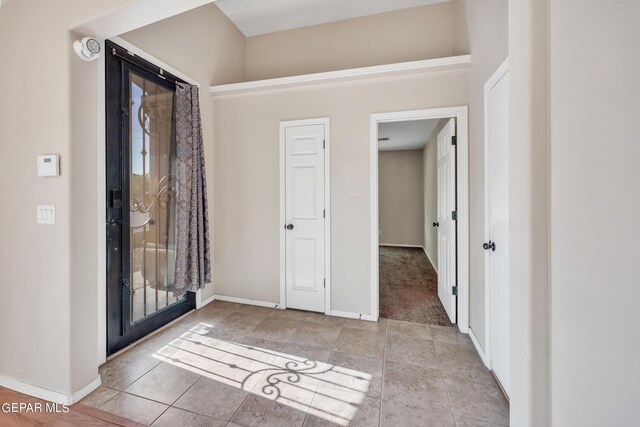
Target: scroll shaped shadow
327	391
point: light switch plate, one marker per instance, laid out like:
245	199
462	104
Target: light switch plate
49	165
46	214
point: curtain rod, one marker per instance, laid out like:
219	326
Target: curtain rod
160	73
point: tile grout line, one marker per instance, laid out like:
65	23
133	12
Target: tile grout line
145	373
384	364
156	419
195	413
330	356
185	392
287	343
249	392
179	397
444	383
111	398
139	397
271	365
248	334
161	403
169	405
130	384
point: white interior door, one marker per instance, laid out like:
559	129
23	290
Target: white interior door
304	215
497	211
447	239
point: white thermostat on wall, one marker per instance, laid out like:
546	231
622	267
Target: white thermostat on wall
49	165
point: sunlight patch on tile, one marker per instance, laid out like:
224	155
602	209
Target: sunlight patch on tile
327	391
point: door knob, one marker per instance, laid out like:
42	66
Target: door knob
289	227
490	245
436	224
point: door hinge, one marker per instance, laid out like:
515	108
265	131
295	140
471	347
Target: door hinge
454	140
324	213
325	283
454	215
324	143
454	290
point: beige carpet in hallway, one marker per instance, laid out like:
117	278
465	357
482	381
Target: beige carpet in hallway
409	287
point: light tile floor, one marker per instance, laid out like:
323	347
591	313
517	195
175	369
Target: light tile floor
237	365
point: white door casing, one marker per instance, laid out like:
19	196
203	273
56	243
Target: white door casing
447	238
497	222
461	115
304	170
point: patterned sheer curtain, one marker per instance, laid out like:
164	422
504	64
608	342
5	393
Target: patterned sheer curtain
193	260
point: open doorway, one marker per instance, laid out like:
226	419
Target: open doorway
408	217
419	210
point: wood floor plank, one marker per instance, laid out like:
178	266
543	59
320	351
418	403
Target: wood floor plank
106	416
78	415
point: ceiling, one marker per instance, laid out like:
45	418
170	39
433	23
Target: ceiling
409	135
254	17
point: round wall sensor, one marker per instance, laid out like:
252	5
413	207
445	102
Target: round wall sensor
87	49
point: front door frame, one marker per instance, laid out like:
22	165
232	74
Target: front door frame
326	122
462	176
102	183
120	330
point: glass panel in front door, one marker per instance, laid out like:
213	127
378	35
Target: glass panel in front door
151	201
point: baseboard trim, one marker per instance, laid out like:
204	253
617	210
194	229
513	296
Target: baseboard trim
350	315
246	301
202	303
479	349
86	390
49	395
258	303
435	267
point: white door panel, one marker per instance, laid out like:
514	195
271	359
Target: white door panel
304	214
497	176
447	267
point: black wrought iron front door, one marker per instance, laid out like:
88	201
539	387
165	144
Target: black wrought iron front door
140	199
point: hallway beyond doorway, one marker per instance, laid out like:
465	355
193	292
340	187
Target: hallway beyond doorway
409	287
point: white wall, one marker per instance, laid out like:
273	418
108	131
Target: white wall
575	344
400	197
47	270
246	218
430	167
595	212
529	212
480	28
202	43
48	317
34	119
405	35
